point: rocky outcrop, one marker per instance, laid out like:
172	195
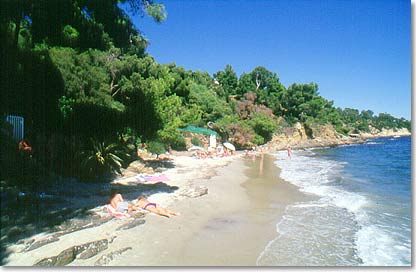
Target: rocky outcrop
68	255
67	227
132	224
137	167
300	137
107	258
196	191
42	242
376	133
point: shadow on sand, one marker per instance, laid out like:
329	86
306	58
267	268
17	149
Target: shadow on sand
26	214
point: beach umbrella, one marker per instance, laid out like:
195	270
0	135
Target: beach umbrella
230	146
195	147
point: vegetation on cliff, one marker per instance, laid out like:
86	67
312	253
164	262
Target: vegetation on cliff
78	72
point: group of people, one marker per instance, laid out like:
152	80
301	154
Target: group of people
255	150
220	151
118	207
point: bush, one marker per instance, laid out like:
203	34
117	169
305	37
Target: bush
102	158
234	130
155	147
258	140
179	143
196	141
264	126
173	138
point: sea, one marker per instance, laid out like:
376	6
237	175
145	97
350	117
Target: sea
360	214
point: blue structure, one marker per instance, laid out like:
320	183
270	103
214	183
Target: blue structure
18	123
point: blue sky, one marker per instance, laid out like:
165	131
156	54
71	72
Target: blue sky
357	51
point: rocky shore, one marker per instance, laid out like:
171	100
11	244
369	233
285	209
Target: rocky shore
375	133
299	137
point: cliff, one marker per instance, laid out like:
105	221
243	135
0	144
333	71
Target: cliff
298	137
376	133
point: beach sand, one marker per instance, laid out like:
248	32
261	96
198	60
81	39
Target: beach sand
229	226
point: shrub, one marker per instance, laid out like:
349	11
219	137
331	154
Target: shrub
103	158
172	137
155	147
264	126
196	141
258	140
178	143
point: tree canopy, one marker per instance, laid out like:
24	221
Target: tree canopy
78	71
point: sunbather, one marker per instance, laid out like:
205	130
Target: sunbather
143	203
120	208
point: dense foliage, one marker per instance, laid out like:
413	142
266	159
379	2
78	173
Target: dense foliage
77	71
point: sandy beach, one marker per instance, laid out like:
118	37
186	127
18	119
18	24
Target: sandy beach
228	226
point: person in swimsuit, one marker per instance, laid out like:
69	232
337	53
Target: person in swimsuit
289	152
143	203
119	208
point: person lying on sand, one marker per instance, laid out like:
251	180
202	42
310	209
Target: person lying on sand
120	208
143	203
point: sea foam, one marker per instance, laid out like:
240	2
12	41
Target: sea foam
337	229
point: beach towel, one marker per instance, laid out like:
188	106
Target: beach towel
160	178
144	178
114	213
140	177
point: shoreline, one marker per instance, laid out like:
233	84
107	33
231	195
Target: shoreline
210	229
239	203
229	210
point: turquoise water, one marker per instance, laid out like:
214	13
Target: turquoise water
363	212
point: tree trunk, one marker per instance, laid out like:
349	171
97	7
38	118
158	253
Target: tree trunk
16	35
258	83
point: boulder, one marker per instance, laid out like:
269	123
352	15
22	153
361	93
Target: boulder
42	242
68	255
65	228
195	191
136	166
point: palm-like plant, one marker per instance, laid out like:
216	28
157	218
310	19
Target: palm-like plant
103	158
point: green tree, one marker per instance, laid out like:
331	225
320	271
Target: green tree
12	16
245	84
263	125
207	100
98	24
297	100
266	83
228	80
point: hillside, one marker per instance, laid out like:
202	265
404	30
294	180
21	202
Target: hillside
90	94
